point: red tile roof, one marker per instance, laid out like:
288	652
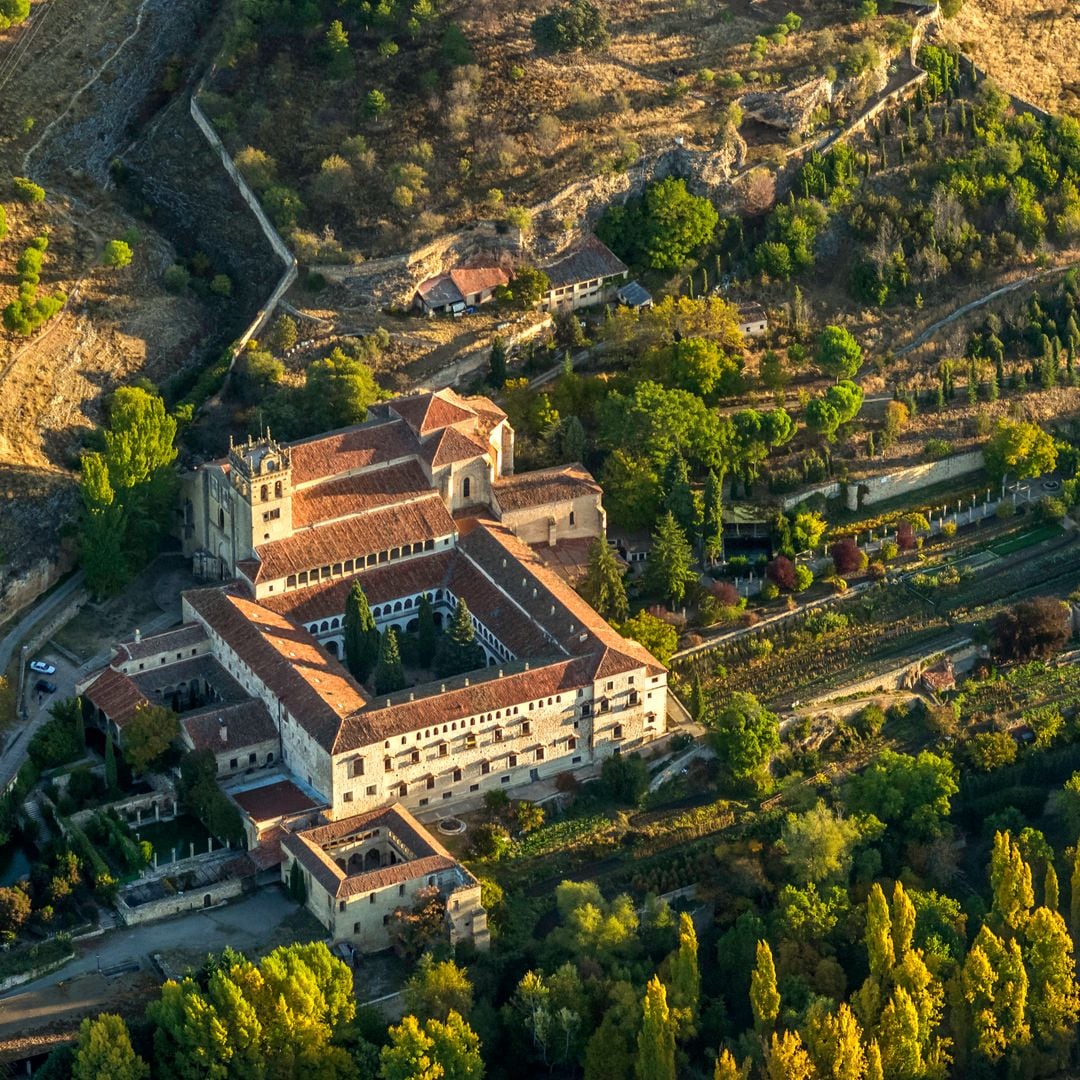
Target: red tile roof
313	848
365	534
270	801
182	638
314	687
425	413
525	491
478	279
115	695
450	445
352	448
244	725
388	582
355	494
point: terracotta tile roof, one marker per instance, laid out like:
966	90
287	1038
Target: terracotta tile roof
588	260
314	687
378	530
355	494
205	667
116	695
383	583
349	449
310	847
268	852
568	558
544	486
450	445
465	695
280	799
182	638
425	413
245	725
439	290
478	279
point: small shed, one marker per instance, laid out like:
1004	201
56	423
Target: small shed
635	295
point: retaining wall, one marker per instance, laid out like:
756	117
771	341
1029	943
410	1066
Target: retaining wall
197	899
875	489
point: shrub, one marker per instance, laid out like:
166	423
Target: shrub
176	278
769	590
781	572
848	557
876	570
948	530
936	449
1049	509
869	720
578	24
1005	509
804	578
27	190
117	254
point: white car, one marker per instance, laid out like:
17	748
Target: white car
42	668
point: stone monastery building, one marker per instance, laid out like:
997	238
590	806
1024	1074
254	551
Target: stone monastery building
419	500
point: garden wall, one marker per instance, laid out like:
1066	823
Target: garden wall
197	899
875	489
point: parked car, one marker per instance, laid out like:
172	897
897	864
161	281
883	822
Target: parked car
42	668
43	686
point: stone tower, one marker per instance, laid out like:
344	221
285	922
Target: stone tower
260	471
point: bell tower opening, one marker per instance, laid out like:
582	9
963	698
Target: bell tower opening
261	473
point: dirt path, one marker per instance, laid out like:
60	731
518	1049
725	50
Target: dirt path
981	301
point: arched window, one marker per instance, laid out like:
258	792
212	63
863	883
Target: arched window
334	624
325	626
264	493
376	611
466	486
277	494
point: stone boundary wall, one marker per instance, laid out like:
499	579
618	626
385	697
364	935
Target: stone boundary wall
34	973
829	491
193	900
875	489
268	230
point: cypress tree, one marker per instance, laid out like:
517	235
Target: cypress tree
427	632
603	586
459	650
678	497
389	675
669	567
656	1039
361	636
713	517
297	885
697	698
110	762
497	364
684	979
1051	899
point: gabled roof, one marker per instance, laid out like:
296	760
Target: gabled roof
314	687
354	494
277	800
439	291
476	279
449	446
313	849
350	449
425	413
524	491
355	537
588	260
244	725
116	695
180	639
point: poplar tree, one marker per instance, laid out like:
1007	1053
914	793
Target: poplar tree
874	1070
1051	898
903	921
684	979
1074	894
879	941
764	996
726	1067
1054	1002
656	1039
1010	884
389	675
603	586
786	1058
898	1032
104	1052
361	636
834	1042
992	987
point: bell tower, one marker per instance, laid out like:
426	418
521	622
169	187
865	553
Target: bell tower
260	471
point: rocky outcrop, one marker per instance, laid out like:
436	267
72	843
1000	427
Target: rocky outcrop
788	110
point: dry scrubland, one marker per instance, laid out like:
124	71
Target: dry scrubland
1029	46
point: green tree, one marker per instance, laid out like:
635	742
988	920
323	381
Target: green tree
990	1004
745	736
683	979
376	104
1051	897
678	496
104	1052
786	1058
712	526
15	906
389	674
283	334
147	735
911	793
110	763
659	637
879	939
669	569
117	254
837	353
662	228
579	24
819	843
459	651
337	392
297	884
764	995
1054	1002
835	1044
656	1040
336	41
1010	884
625	778
1019	449
898	1032
362	639
497	363
437	988
12	12
427	633
603	586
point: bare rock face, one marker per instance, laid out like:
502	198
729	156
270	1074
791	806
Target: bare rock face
788	110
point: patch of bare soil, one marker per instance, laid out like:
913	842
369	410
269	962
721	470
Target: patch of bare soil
1028	46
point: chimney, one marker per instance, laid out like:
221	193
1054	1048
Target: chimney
500	673
412	696
466	680
526	665
442	688
138	635
223	729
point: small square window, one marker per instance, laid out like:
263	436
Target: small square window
423	802
232	763
447	794
348	796
474	787
575	761
370	790
504	780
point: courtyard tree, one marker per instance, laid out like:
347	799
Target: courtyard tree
1031	629
459	651
427	633
104	1052
603	586
148	735
745	735
389	674
669	569
1019	449
837	353
362	639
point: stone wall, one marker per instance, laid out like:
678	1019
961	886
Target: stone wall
875	489
197	899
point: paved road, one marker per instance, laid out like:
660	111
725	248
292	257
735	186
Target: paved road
15	633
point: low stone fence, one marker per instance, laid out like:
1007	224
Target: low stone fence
157	894
179	903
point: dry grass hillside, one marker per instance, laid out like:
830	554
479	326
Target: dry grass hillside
1029	46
